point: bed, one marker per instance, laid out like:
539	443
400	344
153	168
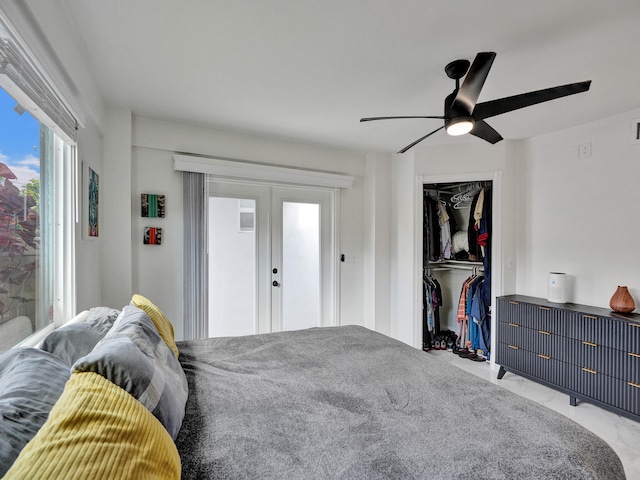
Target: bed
349	403
114	396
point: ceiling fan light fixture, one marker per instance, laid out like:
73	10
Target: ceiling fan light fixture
459	125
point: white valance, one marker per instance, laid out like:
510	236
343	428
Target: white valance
240	170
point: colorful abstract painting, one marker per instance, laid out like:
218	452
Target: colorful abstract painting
94	187
152	236
152	205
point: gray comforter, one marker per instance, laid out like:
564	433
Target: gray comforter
349	403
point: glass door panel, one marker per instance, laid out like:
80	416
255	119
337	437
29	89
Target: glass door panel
300	265
232	267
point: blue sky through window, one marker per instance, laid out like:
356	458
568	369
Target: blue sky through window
19	141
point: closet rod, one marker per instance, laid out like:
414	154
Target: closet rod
454	266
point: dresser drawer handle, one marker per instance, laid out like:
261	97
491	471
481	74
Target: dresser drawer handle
590	316
514	347
634	385
546	357
543	332
588	370
637	355
590	344
514	325
637	325
514	303
545	308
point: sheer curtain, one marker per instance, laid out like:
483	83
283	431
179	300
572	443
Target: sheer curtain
195	256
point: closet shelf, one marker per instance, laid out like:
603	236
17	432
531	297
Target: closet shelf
456	264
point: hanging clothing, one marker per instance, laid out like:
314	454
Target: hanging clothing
445	232
474	250
439	227
431	229
431	302
484	239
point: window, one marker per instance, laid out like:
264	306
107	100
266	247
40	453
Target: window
38	203
35	171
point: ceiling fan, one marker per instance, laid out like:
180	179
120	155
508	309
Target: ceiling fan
463	115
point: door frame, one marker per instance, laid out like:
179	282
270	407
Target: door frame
497	272
330	312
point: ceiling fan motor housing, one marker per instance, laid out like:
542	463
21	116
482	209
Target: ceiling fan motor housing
457	121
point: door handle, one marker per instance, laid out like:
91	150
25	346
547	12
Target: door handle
275	284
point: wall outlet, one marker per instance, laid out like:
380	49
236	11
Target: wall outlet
584	150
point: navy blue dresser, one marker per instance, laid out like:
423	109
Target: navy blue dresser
590	353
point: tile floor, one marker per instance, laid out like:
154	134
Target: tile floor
621	433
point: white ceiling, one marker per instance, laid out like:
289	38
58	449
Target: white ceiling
308	70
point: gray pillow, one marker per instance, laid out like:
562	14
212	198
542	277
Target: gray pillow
31	381
134	356
76	340
71	342
102	319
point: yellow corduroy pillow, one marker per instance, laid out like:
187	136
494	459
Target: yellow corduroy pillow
162	323
98	431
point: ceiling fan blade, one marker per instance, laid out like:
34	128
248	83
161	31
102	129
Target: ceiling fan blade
508	104
483	130
369	119
419	140
469	92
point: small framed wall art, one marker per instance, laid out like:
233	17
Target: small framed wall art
152	205
91	202
152	236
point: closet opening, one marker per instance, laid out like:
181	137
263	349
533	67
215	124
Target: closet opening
457	268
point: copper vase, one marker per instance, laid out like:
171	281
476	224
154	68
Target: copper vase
622	301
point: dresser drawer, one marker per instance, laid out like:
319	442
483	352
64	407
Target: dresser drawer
547	368
631	369
599	330
537	365
537	317
549	344
513	334
594	384
512	356
599	358
629	396
631	337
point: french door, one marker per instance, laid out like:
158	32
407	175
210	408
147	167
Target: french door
271	258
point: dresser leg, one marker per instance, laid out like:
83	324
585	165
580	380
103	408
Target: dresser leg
573	401
501	372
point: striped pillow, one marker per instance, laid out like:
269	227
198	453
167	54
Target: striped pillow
134	356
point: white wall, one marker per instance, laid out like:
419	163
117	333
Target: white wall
155	270
115	209
88	265
404	262
159	272
580	215
377	243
